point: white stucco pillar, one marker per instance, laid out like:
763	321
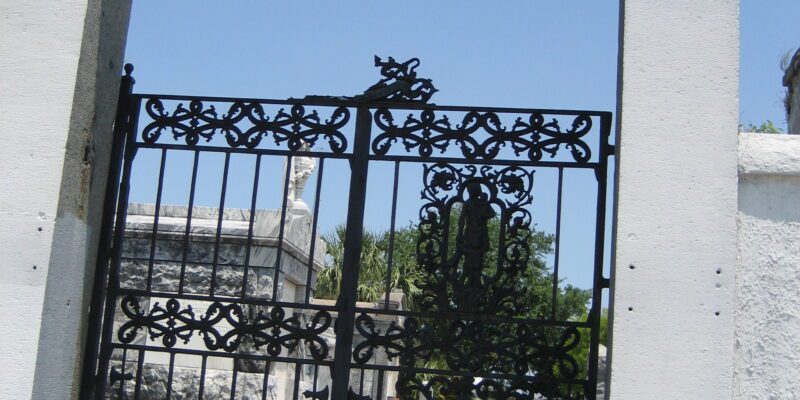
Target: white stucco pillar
675	234
59	70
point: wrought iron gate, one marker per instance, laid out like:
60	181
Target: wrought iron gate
181	304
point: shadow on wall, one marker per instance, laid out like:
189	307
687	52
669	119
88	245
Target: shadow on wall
771	198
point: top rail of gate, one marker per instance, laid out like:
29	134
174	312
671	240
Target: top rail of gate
335	101
403	131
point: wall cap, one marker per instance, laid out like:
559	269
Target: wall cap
769	154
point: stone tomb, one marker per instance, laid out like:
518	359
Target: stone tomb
168	250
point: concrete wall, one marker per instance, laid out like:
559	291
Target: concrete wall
60	67
673	284
768	277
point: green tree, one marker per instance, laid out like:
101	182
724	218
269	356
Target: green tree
765	127
408	276
374	265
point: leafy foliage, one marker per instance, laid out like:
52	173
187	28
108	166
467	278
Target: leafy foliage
408	276
765	127
374	265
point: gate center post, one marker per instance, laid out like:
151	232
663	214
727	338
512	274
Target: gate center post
348	293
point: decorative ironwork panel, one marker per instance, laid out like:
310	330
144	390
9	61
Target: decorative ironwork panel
245	124
459	281
530	135
271	329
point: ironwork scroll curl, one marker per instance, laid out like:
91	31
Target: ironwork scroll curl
273	330
246	124
428	131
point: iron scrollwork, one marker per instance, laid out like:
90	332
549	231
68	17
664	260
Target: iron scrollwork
246	124
531	354
532	135
461	277
274	329
461	281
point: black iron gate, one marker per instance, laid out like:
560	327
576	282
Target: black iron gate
187	308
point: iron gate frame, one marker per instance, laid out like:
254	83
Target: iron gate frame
411	94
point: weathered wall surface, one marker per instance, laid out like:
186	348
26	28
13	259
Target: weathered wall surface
40	42
768	276
673	285
60	67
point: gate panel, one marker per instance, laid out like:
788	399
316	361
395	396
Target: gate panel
479	328
209	298
212	281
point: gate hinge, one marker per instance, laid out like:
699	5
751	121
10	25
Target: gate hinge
604	283
611	150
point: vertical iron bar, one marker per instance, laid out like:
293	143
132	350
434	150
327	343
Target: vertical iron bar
597	288
234	376
505	220
390	261
250	227
316	372
361	383
314	220
557	241
348	293
279	248
265	386
296	389
379	390
121	131
220	215
188	232
122	373
201	390
445	252
116	256
156	213
137	389
169	374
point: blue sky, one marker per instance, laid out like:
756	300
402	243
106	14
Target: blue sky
534	54
768	30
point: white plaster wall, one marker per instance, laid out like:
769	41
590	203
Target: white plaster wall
57	79
672	318
40	42
768	276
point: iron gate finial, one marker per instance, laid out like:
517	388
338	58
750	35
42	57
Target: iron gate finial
399	83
